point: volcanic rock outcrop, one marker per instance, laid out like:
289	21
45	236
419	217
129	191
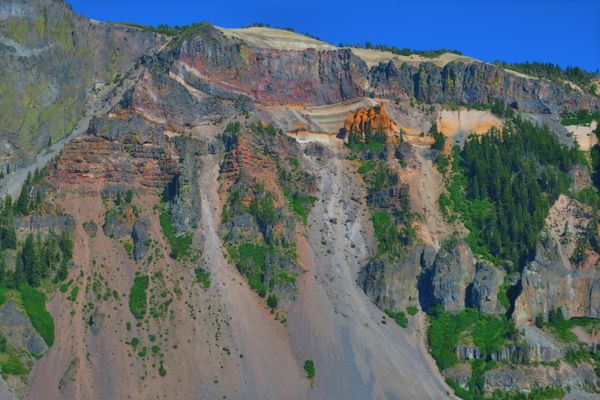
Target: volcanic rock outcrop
372	120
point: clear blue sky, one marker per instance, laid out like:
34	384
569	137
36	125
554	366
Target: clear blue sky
566	32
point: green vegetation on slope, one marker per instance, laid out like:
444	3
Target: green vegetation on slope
502	187
489	333
309	367
180	244
556	73
405	51
137	296
34	303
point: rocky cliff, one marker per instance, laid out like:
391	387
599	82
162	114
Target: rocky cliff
372	120
565	274
52	60
475	83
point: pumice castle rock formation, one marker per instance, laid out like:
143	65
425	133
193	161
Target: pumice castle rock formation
203	213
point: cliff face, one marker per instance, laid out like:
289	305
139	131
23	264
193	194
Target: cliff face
278	76
124	150
559	279
50	60
475	83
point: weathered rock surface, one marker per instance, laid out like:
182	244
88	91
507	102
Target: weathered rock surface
530	377
552	281
307	77
374	119
116	150
140	236
452	272
17	329
483	292
51	58
393	284
474	83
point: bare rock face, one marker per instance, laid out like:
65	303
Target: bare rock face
393	285
474	83
17	329
452	272
140	236
373	119
308	77
483	293
51	59
530	377
565	274
118	149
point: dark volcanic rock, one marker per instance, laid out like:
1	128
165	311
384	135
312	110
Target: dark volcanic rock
17	329
393	285
452	272
51	59
140	236
483	293
117	226
475	83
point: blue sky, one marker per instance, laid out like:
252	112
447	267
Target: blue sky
566	32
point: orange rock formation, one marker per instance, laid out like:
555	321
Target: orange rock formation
375	119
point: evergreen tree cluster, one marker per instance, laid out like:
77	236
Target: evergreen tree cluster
555	72
509	181
40	256
405	51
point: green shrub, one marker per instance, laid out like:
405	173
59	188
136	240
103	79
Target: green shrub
309	367
386	231
576	357
412	310
488	333
203	277
399	317
137	296
128	248
74	293
34	302
272	301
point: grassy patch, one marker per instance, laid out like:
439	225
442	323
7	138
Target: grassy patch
137	297
301	205
562	329
180	244
203	277
34	302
